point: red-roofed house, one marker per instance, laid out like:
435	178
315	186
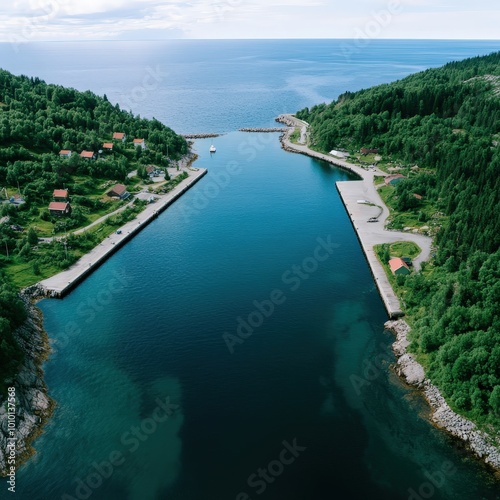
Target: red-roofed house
89	155
399	266
417	196
140	143
119	191
108	146
119	136
393	179
60	195
367	151
59	208
65	153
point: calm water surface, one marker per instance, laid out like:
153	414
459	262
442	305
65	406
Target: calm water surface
152	402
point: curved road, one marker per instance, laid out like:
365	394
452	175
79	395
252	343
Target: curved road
369	233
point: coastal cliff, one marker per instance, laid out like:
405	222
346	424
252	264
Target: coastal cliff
485	446
33	406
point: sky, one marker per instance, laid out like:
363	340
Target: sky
51	20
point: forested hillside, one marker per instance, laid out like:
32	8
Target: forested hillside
446	121
37	121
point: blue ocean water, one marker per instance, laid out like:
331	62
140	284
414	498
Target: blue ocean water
156	399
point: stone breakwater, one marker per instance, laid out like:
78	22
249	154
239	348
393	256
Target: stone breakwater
272	129
200	136
287	120
485	446
33	405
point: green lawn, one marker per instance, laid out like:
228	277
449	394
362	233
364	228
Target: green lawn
404	249
295	136
22	275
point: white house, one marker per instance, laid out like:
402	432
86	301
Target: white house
119	136
139	143
339	154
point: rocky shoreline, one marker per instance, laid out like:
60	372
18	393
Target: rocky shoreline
33	405
483	445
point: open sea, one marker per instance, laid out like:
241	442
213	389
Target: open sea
156	399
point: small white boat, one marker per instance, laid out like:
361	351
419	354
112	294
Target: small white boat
212	149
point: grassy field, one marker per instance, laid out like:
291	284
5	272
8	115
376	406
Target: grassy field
426	218
295	136
22	275
404	249
46	259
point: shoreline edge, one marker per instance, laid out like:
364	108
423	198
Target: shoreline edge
34	406
484	446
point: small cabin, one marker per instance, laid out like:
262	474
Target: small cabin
65	153
119	136
367	151
107	146
392	180
59	208
140	143
88	155
60	195
399	267
118	191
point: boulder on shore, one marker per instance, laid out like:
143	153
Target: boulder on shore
485	446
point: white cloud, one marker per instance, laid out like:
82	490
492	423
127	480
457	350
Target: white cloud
32	20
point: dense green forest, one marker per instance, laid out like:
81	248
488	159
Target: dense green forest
37	121
446	121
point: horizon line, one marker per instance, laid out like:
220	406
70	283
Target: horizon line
26	42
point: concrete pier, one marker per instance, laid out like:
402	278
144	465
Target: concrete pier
369	233
62	283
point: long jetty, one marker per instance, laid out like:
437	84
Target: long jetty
369	233
200	136
61	284
263	129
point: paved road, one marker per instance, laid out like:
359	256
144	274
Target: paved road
369	233
59	284
366	190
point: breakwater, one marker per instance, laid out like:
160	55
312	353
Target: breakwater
62	283
200	136
369	234
271	129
